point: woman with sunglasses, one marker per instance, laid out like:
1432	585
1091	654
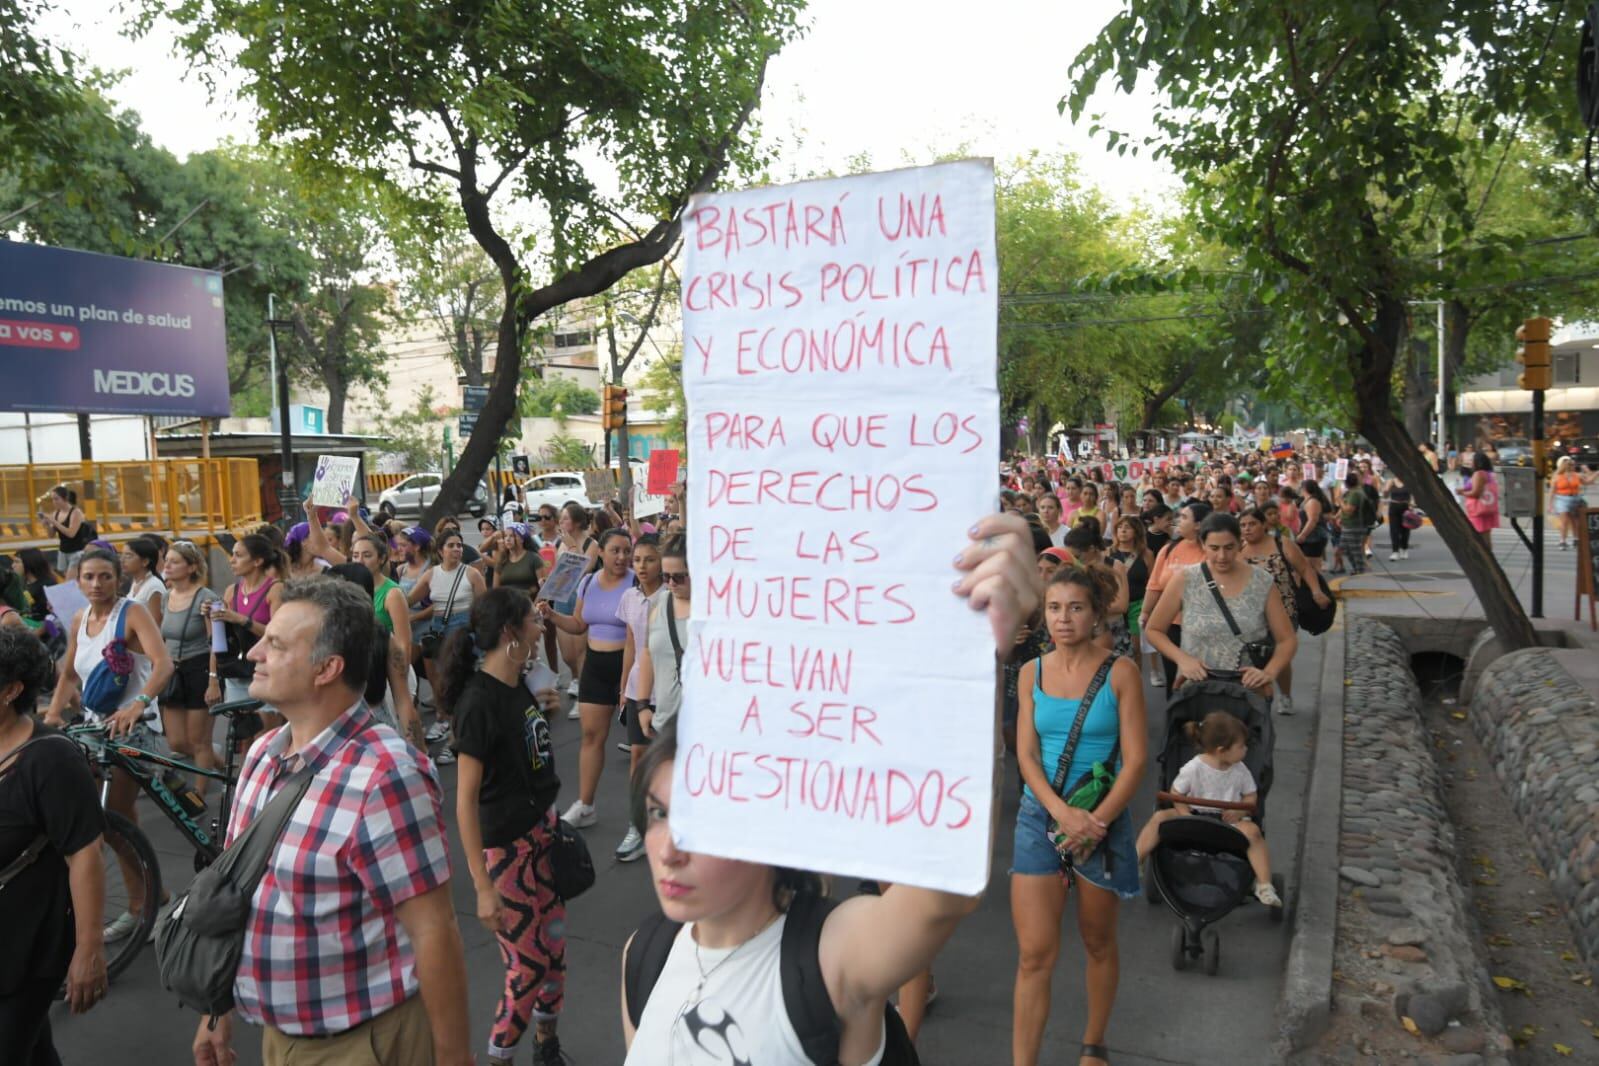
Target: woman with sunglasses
195	685
595	619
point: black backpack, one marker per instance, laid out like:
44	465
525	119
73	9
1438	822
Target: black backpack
810	1008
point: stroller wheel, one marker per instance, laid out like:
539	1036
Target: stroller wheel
1212	944
1179	948
1282	894
1151	894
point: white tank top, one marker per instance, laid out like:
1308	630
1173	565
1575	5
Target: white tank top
736	1015
91	651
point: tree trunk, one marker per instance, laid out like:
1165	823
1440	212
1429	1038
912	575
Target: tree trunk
1373	373
337	394
1420	389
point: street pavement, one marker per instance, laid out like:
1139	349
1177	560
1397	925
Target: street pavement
1161	1016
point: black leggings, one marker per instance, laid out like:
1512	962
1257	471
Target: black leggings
1398	535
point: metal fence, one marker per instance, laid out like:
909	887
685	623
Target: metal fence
187	495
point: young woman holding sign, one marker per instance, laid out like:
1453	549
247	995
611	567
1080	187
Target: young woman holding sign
1054	728
714	985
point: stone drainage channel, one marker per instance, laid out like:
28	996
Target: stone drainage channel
1451	947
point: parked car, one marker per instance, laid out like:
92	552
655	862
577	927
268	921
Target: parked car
1585	450
1513	451
409	498
556	490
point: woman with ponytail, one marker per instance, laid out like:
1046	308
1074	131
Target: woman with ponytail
1100	861
505	807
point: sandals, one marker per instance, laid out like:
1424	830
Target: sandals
1095	1051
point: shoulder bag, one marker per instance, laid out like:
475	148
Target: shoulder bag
432	640
170	691
199	944
1091	788
105	688
571	865
1256	653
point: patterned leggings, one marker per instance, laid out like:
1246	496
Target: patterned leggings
533	942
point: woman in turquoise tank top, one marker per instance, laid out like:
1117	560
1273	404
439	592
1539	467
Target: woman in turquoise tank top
1051	691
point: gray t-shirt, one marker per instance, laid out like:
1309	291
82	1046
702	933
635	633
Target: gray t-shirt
187	632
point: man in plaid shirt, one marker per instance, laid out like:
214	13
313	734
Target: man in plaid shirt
353	918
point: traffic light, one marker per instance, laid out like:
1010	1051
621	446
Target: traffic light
613	414
1533	355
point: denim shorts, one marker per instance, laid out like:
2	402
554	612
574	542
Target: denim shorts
1034	854
1567	504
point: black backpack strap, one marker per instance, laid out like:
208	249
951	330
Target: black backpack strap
810	1008
646	958
1063	767
805	997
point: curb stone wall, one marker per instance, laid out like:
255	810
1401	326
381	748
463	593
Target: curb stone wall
1540	728
1404	946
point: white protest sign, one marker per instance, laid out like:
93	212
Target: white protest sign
335	478
66	600
1341	470
840	370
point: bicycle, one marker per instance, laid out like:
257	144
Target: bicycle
132	873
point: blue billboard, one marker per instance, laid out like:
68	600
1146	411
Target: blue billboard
96	333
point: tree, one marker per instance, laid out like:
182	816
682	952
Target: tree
557	398
477	97
1322	144
339	314
662	386
414	434
458	290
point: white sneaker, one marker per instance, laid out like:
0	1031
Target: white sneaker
1405	554
1267	894
1396	556
1157	679
574	714
631	848
580	815
624	747
1284	705
571	690
437	731
121	926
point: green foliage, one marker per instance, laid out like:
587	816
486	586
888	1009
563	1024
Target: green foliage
567	452
451	285
416	434
557	398
661	384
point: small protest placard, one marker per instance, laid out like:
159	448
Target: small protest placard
599	485
1341	470
663	471
1308	470
335	478
843	433
560	586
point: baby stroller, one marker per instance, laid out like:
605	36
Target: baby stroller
1199	865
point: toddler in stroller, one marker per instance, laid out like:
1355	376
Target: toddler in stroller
1218	773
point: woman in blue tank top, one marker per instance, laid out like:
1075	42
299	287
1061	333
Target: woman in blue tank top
1051	690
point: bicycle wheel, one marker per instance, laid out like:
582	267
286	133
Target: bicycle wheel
132	886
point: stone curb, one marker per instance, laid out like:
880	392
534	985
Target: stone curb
1540	728
1305	1009
1405	946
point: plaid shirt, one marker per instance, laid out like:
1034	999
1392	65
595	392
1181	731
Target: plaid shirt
323	951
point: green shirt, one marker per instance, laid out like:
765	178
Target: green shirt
523	573
380	596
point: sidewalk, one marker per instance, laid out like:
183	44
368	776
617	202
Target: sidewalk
1430	590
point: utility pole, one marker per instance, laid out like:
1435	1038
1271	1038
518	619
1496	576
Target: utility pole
1537	377
288	494
1443	424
